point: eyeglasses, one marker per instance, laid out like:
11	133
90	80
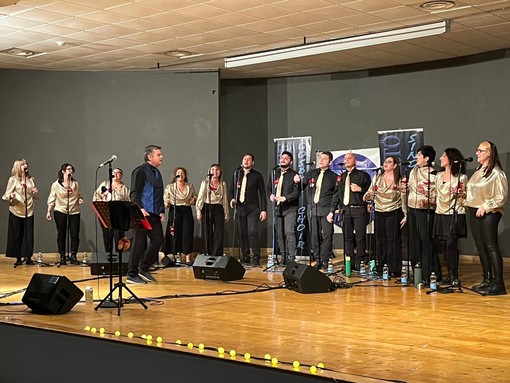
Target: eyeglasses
480	150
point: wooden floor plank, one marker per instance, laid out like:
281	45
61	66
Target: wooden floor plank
370	331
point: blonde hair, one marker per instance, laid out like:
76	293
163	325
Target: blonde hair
16	168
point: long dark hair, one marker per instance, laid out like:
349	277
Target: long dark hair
62	170
396	171
454	154
185	173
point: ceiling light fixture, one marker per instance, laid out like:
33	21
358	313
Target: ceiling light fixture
24	53
338	44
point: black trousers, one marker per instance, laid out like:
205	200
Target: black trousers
108	240
388	240
213	222
248	224
485	235
322	238
184	227
143	255
62	230
355	220
420	223
20	237
286	233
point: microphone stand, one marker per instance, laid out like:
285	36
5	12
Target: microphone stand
273	192
408	255
371	217
311	193
207	218
68	229
236	187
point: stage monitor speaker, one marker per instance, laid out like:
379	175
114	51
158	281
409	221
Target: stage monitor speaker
224	267
51	294
306	279
100	263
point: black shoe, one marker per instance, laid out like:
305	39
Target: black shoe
495	288
246	260
135	280
74	260
29	262
18	262
146	276
481	286
256	261
63	260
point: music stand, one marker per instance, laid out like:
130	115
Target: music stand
119	215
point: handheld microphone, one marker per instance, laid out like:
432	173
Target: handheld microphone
112	158
469	159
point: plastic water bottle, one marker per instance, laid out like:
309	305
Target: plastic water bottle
385	272
85	260
433	281
403	276
270	262
347	266
39	259
330	267
362	268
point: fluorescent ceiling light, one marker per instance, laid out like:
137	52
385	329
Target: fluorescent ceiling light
338	44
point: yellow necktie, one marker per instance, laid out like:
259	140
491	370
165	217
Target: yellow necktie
318	187
280	184
243	187
347	189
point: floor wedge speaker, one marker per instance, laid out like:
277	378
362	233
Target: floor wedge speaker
306	279
225	268
51	294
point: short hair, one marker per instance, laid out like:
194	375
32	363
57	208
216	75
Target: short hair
249	154
285	152
148	150
329	154
428	151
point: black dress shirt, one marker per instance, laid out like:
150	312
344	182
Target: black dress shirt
290	190
255	192
357	177
328	185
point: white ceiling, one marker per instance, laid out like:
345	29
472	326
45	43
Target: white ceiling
103	35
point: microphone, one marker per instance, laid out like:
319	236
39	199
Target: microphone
405	163
340	164
177	176
104	189
112	158
310	163
209	175
239	167
469	159
276	167
379	169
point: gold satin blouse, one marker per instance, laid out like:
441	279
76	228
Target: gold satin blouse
118	195
183	198
420	177
387	197
17	204
58	197
218	196
445	198
490	192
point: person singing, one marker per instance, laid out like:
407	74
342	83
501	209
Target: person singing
212	205
118	192
179	196
65	200
20	193
487	193
386	192
450	219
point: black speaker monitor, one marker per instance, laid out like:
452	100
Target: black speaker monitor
225	268
51	294
100	263
306	279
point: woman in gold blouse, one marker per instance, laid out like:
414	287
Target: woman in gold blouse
386	192
487	192
20	192
179	197
450	219
65	200
212	203
119	192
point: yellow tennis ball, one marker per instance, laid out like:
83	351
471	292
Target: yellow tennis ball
267	357
87	328
178	341
144	336
93	330
233	353
247	356
190	345
274	361
320	365
159	339
313	369
102	330
295	364
221	350
201	346
117	333
130	335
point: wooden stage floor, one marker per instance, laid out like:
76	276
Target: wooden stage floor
370	332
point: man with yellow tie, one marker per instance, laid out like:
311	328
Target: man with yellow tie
284	193
249	194
349	194
321	185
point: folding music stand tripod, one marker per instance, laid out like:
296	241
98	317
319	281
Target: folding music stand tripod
119	215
